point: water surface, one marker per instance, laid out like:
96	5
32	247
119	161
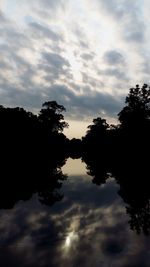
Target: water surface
88	227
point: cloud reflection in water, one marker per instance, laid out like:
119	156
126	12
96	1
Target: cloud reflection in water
89	227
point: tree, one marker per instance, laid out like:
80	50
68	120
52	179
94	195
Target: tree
98	128
96	135
137	110
51	118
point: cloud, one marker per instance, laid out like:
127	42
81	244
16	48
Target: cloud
54	66
12	35
92	81
51	4
128	14
40	31
114	72
46	9
85	105
87	56
113	57
55	60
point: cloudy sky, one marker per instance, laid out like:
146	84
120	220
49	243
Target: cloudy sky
84	54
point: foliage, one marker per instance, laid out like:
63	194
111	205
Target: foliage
51	118
99	126
29	162
137	110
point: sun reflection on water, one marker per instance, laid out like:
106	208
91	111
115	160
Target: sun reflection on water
70	240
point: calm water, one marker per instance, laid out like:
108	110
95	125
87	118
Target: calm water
88	227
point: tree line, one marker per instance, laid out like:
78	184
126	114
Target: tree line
133	129
46	128
122	152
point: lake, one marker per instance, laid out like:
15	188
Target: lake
88	227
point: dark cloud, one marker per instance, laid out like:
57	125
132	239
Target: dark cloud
135	33
49	3
87	56
55	60
47	9
114	72
113	57
45	5
12	35
40	31
3	18
120	8
12	84
84	44
18	90
81	106
13	96
54	65
88	104
93	82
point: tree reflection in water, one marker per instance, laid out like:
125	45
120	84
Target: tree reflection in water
132	175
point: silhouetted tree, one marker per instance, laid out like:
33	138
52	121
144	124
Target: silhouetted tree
97	168
75	148
96	136
28	162
51	118
137	110
98	127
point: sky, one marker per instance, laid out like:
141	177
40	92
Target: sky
84	54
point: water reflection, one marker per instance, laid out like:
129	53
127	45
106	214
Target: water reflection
88	227
44	178
131	174
74	167
71	238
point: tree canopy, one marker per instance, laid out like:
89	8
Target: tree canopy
51	116
137	109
